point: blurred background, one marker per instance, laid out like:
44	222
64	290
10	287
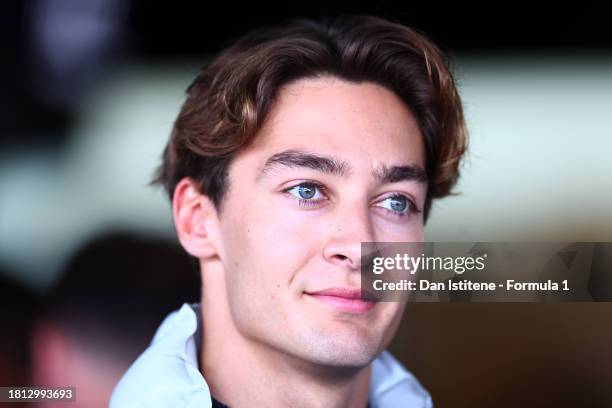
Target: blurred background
89	263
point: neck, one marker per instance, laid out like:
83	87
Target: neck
243	373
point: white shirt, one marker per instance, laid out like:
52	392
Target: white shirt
166	374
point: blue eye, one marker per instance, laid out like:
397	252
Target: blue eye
306	191
398	204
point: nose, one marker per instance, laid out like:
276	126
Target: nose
348	228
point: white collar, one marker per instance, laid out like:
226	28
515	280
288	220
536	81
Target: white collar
166	374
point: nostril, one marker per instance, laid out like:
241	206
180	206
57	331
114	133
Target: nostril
343	259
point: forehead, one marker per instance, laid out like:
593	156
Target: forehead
363	123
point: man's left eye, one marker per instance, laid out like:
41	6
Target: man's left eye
398	204
306	191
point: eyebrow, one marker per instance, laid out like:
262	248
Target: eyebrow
297	158
330	165
393	174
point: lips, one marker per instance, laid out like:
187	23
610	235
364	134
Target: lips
343	299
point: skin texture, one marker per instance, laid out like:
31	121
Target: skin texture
264	253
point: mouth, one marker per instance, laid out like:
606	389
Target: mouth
343	299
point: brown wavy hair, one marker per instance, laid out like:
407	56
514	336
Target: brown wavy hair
229	100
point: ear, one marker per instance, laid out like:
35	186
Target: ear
195	220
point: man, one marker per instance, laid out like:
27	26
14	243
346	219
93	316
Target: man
296	144
101	313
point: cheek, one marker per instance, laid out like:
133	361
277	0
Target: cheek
264	259
392	318
266	246
384	231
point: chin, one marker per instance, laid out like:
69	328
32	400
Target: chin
340	351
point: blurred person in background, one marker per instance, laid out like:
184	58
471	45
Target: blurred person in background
104	310
18	308
296	144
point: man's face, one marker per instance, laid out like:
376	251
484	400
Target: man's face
332	167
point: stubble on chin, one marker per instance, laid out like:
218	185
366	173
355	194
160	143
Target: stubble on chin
341	350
